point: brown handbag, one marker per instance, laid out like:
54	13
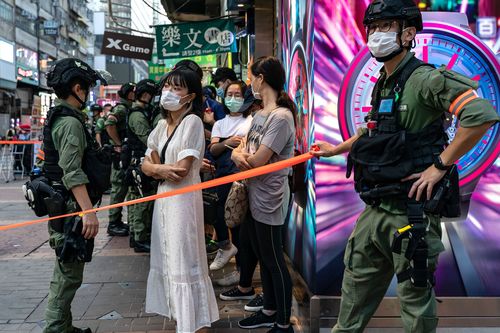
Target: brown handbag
236	204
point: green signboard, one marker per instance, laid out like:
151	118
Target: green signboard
195	38
156	71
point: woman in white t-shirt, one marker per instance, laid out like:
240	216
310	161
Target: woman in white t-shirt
227	134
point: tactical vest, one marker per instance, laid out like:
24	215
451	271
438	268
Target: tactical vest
388	153
122	132
95	163
135	145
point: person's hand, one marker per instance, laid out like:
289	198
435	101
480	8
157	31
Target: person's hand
169	172
425	182
240	160
90	225
233	141
322	149
208	117
207	166
117	149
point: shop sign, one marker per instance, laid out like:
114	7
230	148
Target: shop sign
195	38
156	71
127	46
51	28
27	65
486	27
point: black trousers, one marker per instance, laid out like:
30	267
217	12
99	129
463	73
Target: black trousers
220	226
267	243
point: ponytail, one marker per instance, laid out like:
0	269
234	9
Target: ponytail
286	102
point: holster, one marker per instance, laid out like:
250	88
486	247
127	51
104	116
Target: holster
417	251
75	247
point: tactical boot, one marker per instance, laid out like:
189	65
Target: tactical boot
117	229
143	246
81	330
131	241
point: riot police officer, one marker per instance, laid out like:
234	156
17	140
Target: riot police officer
138	129
101	136
69	153
116	127
95	111
400	166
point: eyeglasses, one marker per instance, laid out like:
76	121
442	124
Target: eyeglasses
382	27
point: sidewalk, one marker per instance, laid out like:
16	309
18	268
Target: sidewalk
112	296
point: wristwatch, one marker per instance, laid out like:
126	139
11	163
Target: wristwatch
438	163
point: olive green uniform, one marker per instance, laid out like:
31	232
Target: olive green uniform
118	187
140	215
369	261
69	140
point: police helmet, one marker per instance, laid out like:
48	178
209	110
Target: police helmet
394	9
96	108
125	89
65	71
145	86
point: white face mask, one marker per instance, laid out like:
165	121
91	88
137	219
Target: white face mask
382	44
170	101
255	93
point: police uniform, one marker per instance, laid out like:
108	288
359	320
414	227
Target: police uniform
100	128
69	141
68	146
139	215
118	188
370	262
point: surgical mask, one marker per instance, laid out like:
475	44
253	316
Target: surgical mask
170	101
234	104
255	93
220	92
383	45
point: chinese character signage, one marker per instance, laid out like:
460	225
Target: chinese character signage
486	27
195	39
50	28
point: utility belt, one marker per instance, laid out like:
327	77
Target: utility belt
444	201
46	197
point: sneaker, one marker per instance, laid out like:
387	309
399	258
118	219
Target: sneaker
236	294
256	304
258	319
277	329
223	257
212	249
229	279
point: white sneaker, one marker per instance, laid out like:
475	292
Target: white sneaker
223	257
229	279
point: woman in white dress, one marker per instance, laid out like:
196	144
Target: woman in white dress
178	284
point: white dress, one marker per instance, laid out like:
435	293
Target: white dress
179	286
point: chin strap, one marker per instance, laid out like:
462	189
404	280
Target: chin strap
83	104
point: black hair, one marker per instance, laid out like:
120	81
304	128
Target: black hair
186	78
243	87
190	64
63	92
274	75
106	105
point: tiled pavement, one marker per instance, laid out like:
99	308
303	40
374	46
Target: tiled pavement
111	298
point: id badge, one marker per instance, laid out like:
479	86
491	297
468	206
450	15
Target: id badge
386	106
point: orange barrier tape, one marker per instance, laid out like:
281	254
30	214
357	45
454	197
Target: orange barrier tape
191	188
6	142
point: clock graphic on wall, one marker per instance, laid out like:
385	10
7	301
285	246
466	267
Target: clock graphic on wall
446	40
